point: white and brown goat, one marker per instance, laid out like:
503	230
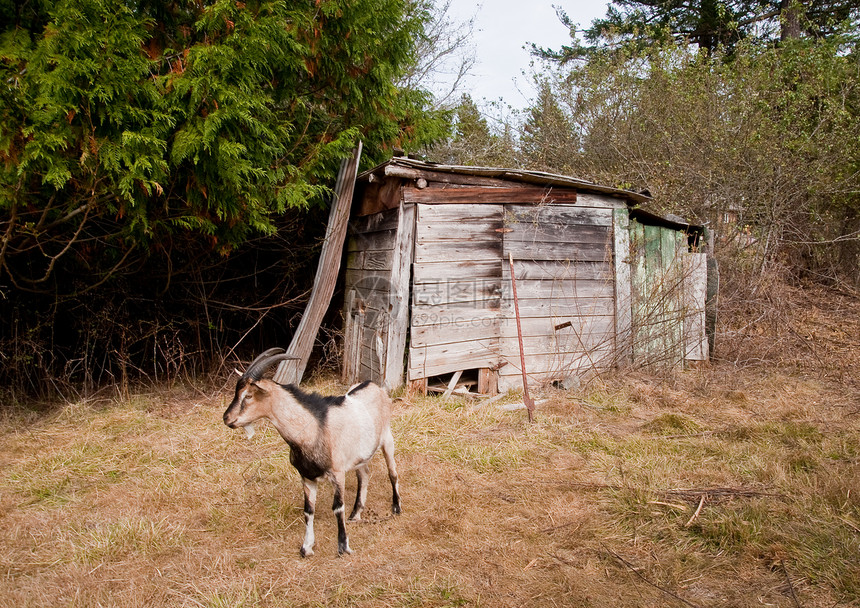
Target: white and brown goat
328	436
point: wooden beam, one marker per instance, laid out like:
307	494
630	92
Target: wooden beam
531	195
453	384
441	179
292	370
398	299
488	381
623	294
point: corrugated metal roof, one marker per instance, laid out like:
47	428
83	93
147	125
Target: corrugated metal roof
539	178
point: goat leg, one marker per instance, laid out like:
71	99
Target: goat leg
338	480
388	452
310	487
362	475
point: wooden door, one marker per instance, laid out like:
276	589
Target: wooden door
376	306
657	295
456	289
565	282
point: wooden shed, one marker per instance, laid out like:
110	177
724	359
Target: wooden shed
428	286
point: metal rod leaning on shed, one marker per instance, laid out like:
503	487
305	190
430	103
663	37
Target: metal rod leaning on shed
527	400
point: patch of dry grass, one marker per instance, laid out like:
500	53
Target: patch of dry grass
132	504
724	486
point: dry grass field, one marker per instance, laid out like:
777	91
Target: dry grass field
722	486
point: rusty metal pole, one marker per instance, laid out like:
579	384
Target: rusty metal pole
527	400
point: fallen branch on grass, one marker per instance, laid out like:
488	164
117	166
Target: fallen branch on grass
696	514
694	495
690	435
852	526
669	504
788	582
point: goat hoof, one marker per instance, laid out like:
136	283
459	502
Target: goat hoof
344	550
306	552
396	509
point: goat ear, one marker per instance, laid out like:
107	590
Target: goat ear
259	388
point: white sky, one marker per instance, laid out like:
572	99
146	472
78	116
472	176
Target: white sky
503	28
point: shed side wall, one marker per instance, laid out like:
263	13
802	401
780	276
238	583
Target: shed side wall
695	297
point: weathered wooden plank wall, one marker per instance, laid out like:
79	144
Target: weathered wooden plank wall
565	281
621	261
695	297
456	289
462	315
368	294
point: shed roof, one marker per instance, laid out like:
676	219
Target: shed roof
401	166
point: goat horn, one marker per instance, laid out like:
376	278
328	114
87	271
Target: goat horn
266	353
255	372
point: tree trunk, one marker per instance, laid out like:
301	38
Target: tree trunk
791	12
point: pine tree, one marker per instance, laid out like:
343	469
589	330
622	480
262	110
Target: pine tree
473	142
708	24
549	140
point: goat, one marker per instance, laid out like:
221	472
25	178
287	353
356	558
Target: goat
328	437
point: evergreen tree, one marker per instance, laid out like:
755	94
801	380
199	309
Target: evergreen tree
709	24
768	138
549	140
473	142
129	128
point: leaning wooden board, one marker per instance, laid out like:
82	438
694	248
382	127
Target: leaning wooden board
292	370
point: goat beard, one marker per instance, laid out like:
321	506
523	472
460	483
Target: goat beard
249	430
